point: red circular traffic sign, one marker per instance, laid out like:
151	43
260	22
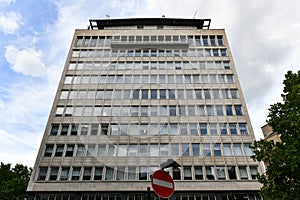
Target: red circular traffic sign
162	184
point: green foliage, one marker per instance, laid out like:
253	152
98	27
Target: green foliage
282	177
14	181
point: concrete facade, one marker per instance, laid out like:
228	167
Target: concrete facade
133	96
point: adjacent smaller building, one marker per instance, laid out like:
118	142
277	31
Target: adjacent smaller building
269	134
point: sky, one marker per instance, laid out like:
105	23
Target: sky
35	37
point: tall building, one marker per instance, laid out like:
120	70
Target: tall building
136	94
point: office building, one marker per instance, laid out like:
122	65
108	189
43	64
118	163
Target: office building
137	93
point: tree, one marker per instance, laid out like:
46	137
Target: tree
282	177
14	181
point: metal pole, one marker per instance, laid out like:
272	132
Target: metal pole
148	193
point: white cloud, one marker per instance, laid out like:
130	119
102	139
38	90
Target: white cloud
10	22
27	61
7	1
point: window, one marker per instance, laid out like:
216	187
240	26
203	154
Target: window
231	172
223	128
111	150
87	171
198	173
189	94
131	173
237	149
74	128
144	94
175	149
183	129
181	110
143	150
75	173
221	78
215	52
229	110
248	150
153	151
42	173
213	129
191	110
98	173
243	172
220	40
238	110
171	94
227	150
173	129
196	149
80	151
220	172
216	94
64	129
233	130
217	150
164	149
94	129
70	150
225	93
206	150
48	150
143	173
210	173
223	52
180	94
193	129
120	173
101	150
253	171
185	148
243	128
59	150
53	173
90	150
176	173
205	40
201	111
84	129
187	173
64	175
207	94
163	94
54	129
136	94
234	94
203	129
172	110
210	110
132	150
109	173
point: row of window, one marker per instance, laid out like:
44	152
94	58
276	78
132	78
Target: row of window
113	54
193	40
143	196
118	94
179	94
145	65
144	150
150	129
153	111
143	173
152	79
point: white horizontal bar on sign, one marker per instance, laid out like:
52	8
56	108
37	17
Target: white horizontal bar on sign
162	183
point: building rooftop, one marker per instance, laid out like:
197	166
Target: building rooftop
101	23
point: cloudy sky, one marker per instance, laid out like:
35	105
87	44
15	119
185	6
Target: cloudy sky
35	36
